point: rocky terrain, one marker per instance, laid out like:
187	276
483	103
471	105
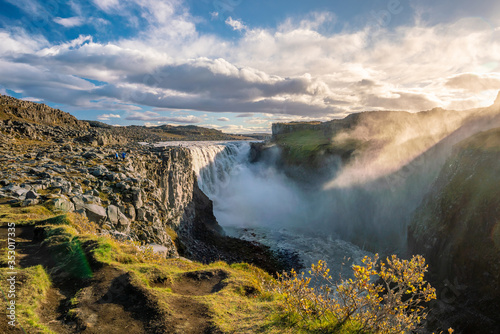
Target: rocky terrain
151	196
25	119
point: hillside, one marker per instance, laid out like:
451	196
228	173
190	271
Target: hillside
38	113
457	227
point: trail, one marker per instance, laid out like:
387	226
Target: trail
110	302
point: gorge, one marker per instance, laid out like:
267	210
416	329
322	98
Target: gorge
375	182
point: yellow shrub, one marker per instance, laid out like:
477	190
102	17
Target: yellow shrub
384	297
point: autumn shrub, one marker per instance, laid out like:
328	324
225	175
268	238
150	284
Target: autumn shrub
383	297
82	224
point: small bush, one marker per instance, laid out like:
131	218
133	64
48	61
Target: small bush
82	224
384	297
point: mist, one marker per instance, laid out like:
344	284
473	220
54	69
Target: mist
368	201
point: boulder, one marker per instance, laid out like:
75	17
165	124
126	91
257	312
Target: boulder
137	197
164	250
79	203
31	195
29	202
63	204
118	219
95	213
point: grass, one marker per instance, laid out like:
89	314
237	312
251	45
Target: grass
23	215
309	145
32	285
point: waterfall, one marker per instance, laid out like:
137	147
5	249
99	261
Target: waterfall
214	161
258	202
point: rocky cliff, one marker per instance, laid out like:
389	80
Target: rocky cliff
457	229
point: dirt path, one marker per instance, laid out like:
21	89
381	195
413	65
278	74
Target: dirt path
109	302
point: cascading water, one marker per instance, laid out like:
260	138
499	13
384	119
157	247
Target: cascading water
257	202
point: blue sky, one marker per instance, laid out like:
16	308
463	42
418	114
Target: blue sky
240	65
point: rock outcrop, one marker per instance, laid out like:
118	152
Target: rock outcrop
27	111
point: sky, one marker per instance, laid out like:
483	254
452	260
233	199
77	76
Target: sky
240	65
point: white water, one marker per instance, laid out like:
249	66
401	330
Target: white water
257	202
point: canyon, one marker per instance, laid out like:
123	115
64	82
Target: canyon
375	182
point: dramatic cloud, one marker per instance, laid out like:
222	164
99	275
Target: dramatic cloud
299	69
475	83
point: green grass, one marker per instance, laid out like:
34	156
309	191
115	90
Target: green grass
307	146
20	215
31	291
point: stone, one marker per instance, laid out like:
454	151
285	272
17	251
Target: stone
141	214
95	213
79	203
99	171
137	197
120	236
63	204
163	250
31	195
118	219
19	192
29	202
112	211
121	186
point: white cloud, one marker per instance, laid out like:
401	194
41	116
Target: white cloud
32	99
154	117
107	117
106	5
223	119
235	24
69	22
239	129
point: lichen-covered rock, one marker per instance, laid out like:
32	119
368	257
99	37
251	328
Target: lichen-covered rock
63	204
95	213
